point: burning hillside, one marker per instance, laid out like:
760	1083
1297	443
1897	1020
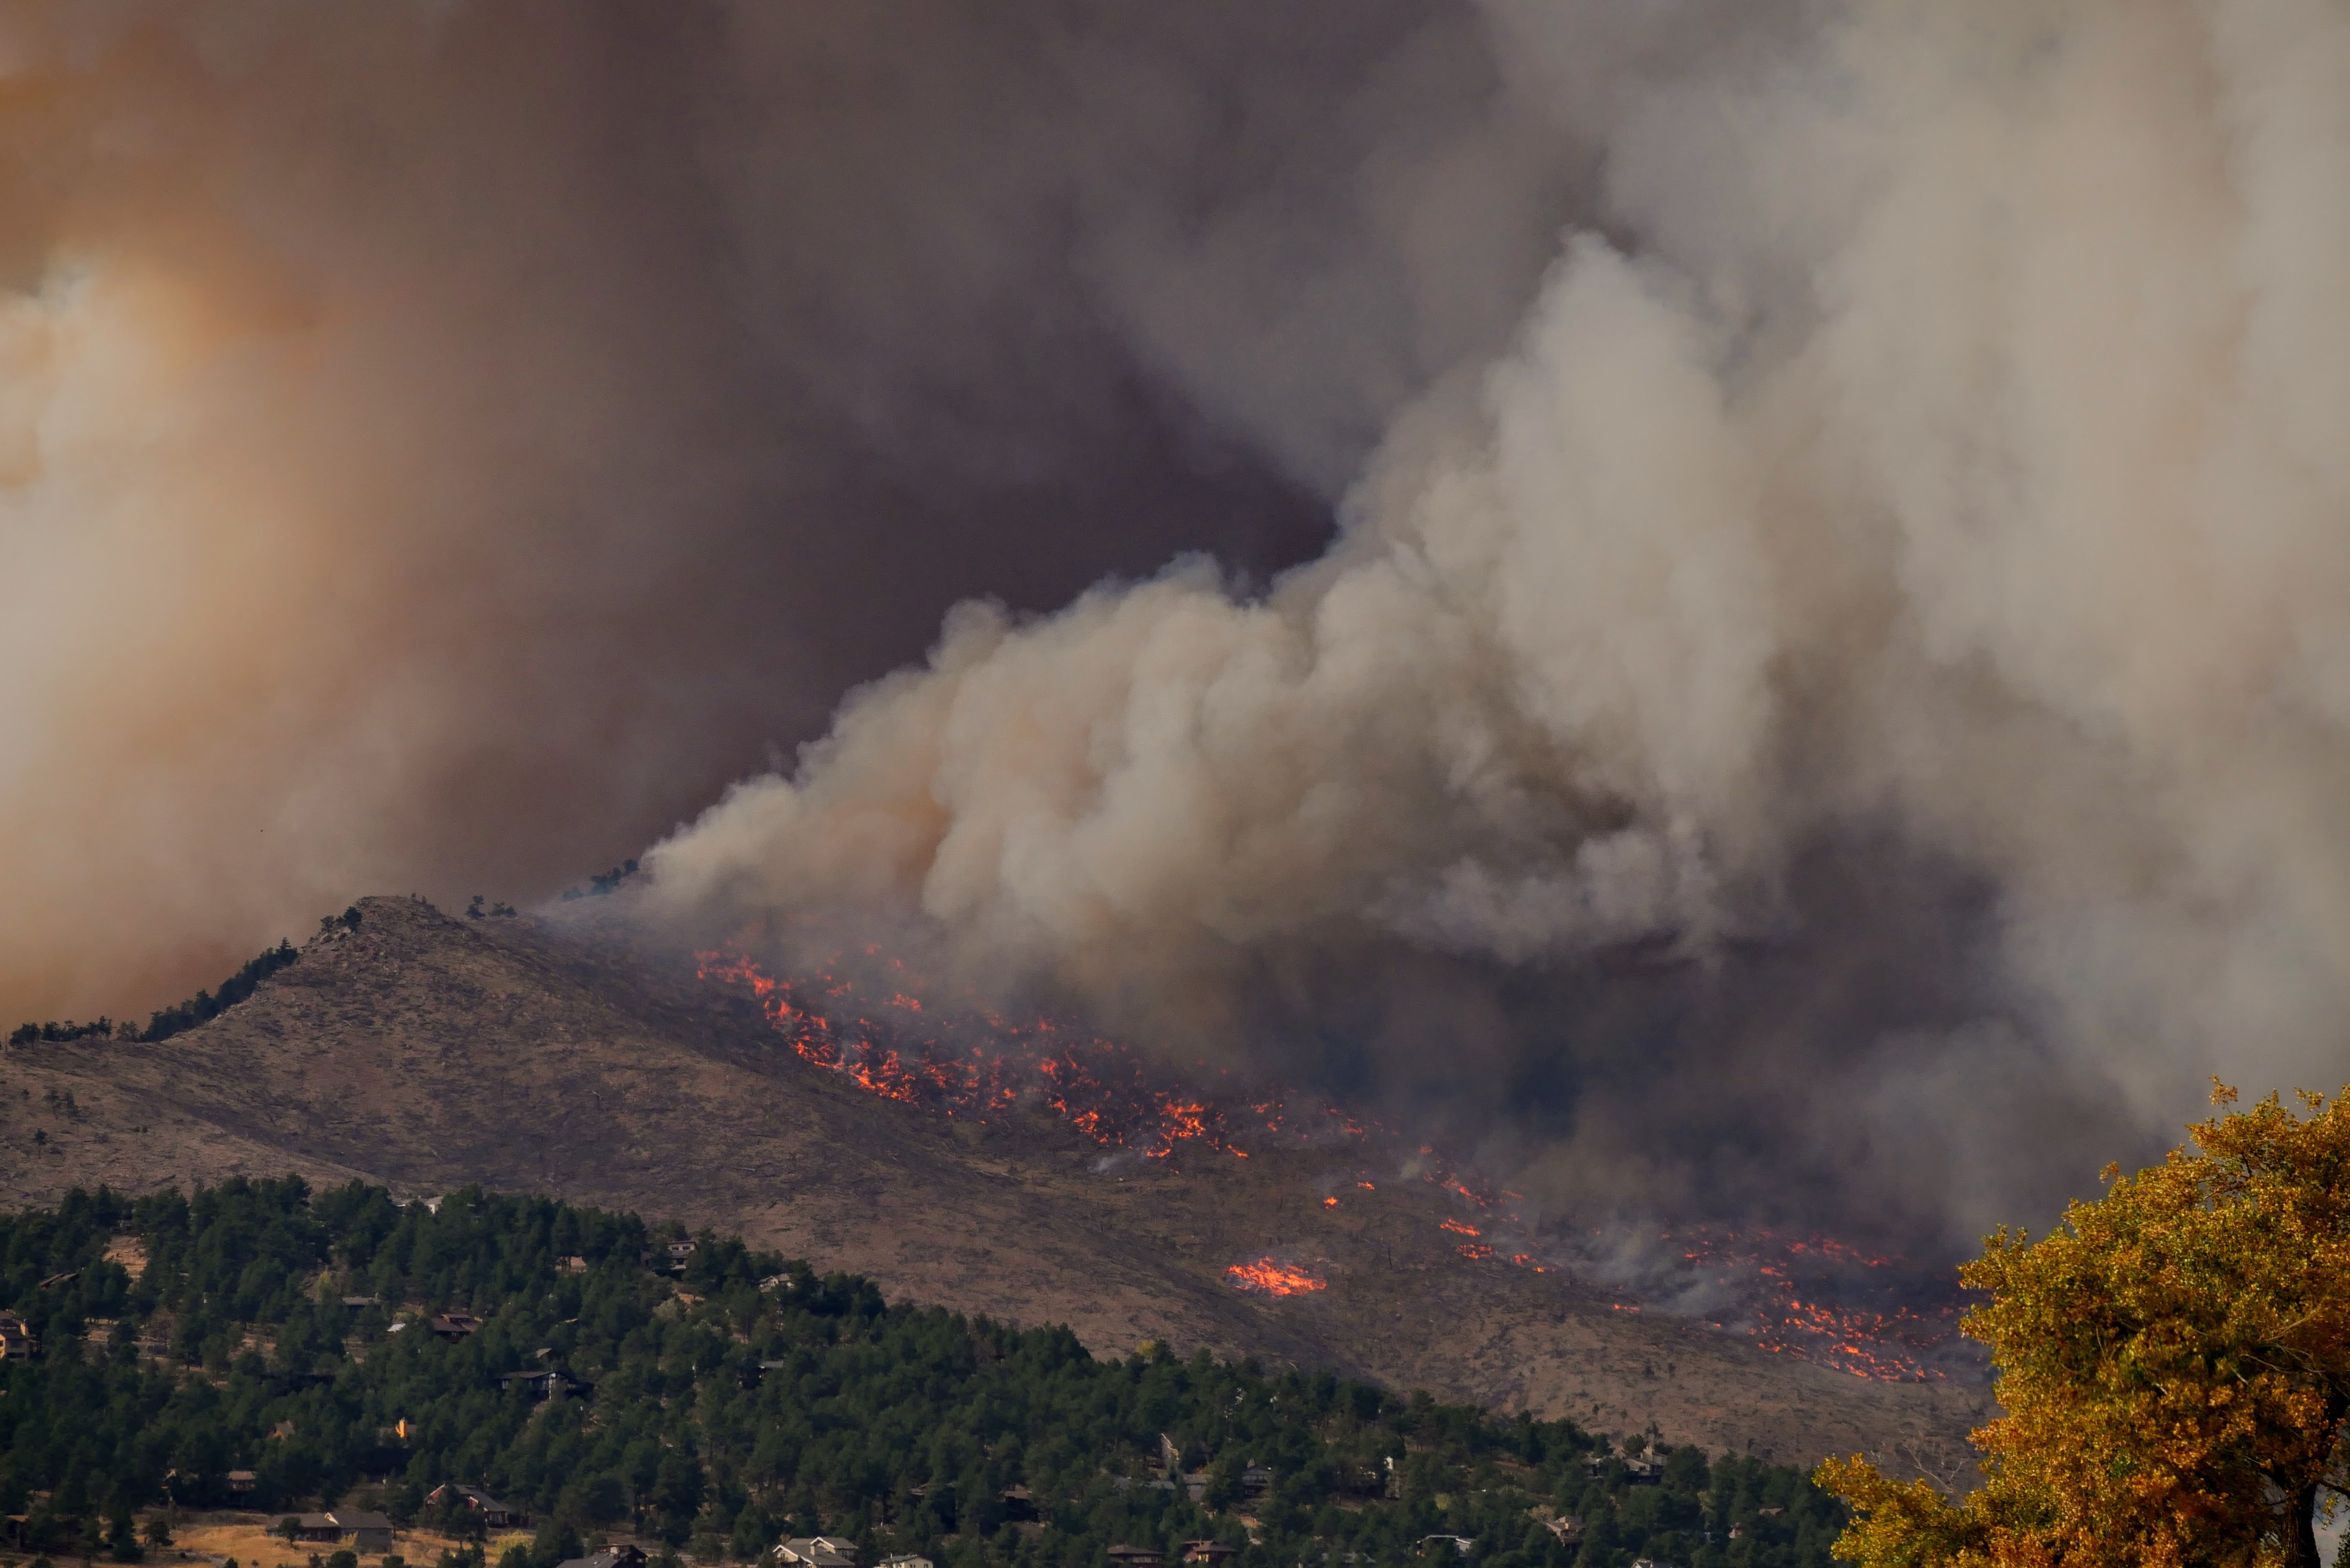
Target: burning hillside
969	1063
1815	1299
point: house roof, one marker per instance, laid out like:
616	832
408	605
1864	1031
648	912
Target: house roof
350	1520
610	1557
817	1551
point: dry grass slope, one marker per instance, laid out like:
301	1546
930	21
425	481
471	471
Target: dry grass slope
427	1052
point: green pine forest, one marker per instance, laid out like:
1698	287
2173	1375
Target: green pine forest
740	1401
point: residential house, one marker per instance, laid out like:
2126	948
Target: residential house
545	1383
16	1340
906	1560
1434	1545
368	1532
479	1504
815	1552
1125	1556
610	1557
454	1327
360	1303
1019	1504
578	1265
240	1482
1257	1483
1209	1551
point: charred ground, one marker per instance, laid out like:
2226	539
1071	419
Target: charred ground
427	1052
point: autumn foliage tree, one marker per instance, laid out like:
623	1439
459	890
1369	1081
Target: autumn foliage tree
2174	1368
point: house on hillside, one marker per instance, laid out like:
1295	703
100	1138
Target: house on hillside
546	1383
1435	1545
671	1256
1214	1553
368	1532
240	1483
1125	1556
610	1557
814	1552
454	1327
1019	1504
479	1504
16	1340
905	1559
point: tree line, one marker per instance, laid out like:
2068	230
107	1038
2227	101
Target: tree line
166	1021
745	1398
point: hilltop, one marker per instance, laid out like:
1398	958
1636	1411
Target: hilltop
427	1052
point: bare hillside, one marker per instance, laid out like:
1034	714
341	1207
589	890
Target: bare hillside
428	1052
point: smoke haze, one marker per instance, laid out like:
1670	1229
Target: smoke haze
1842	714
1736	606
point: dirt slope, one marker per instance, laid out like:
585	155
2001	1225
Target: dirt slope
426	1051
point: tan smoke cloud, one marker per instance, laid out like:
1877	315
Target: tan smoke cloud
1938	445
440	444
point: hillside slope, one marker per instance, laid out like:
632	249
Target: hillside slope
428	1052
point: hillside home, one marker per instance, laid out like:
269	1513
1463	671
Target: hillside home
241	1482
546	1383
1209	1551
361	1531
906	1560
1125	1556
16	1340
610	1557
479	1504
454	1327
815	1552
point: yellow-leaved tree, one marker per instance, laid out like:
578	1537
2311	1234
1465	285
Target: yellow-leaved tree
2173	1364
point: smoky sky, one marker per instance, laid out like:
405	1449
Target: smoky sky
450	441
1738	608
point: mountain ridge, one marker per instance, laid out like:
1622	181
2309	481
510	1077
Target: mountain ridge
544	1054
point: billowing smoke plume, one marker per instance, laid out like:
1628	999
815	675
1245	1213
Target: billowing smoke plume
1852	701
442	444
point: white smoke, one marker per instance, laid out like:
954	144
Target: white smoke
1948	439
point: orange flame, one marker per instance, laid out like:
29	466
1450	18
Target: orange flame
1268	1276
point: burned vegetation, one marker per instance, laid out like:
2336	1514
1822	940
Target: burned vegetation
279	1349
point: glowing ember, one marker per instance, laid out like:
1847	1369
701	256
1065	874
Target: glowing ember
975	1065
1271	1278
1813	1297
1823	1300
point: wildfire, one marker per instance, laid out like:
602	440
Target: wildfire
1811	1297
1270	1277
971	1064
1825	1301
